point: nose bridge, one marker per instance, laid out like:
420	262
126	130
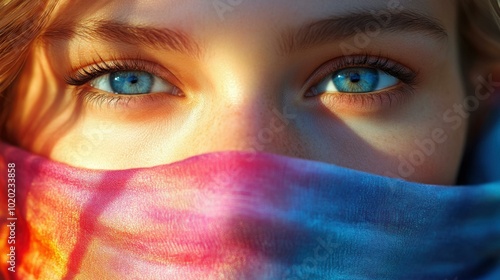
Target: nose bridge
248	106
258	119
254	122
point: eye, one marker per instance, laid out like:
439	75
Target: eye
360	84
356	80
131	83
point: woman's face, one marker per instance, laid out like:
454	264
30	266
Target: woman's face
369	85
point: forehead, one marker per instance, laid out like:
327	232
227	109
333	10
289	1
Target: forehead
201	17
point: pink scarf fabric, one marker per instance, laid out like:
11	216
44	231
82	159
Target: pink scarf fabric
234	215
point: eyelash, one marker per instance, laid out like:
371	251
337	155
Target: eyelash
373	100
82	76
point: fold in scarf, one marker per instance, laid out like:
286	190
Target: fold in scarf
238	215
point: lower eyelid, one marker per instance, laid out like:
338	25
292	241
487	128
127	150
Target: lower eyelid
401	72
96	98
364	103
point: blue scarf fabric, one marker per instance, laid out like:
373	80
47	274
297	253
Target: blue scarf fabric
485	162
235	215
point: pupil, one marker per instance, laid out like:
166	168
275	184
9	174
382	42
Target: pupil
355	77
133	79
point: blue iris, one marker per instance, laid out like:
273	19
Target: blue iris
353	80
131	82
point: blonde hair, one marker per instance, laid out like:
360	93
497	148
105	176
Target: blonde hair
21	22
481	28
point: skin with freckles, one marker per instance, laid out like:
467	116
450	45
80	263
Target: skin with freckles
247	75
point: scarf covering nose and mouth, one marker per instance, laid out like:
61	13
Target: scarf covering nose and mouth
236	215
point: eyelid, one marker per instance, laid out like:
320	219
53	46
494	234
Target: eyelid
83	75
401	72
80	77
366	103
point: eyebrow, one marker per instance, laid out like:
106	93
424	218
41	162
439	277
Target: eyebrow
333	29
339	28
112	31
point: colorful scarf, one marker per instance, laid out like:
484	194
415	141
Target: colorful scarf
238	215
